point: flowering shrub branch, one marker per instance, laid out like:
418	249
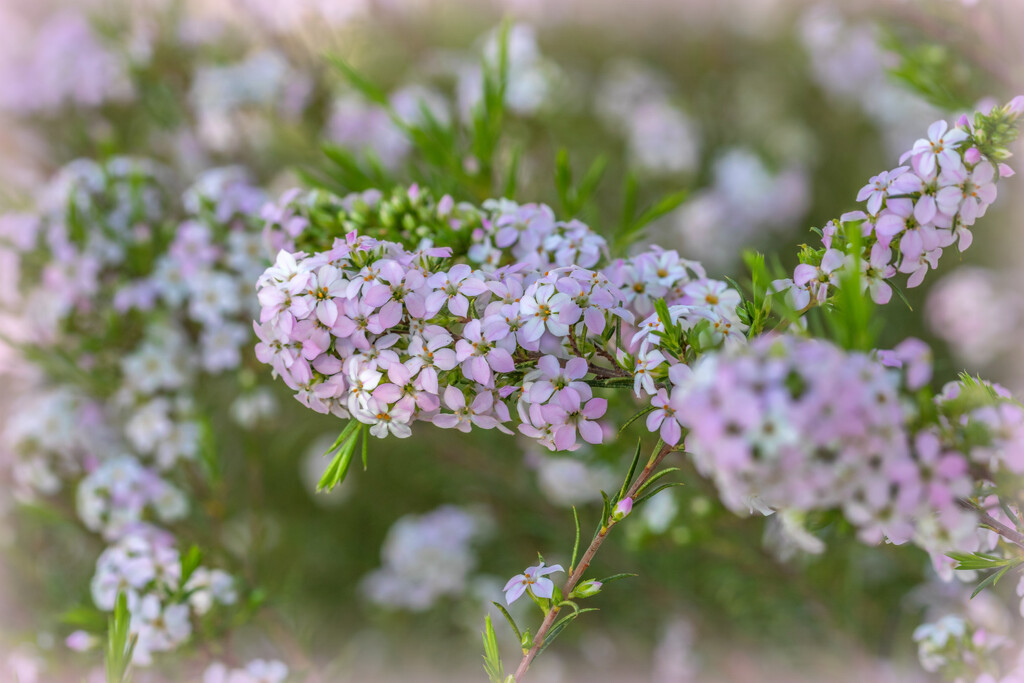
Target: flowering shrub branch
416	287
623	505
913	212
415	309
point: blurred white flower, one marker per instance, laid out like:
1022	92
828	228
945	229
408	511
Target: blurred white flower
67	63
570	481
674	660
22	665
263	82
973	312
637	102
532	79
365	127
117	494
426	557
658	513
251	408
848	64
746	204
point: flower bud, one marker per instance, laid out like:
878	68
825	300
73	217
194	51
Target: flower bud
586	589
624	507
80	641
445	205
1016	106
972	156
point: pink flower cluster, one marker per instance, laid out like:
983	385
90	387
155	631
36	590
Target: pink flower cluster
911	213
532	235
147	568
256	671
365	339
789	423
1000	417
389	336
68	65
116	495
140	297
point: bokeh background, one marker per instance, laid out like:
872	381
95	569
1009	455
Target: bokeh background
771	114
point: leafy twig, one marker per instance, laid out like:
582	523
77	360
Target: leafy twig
577	573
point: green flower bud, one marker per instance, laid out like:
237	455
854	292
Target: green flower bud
586	589
623	508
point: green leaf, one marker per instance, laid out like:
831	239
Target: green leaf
655	477
350	427
509	619
563	179
591	180
1010	515
86	618
758	267
634	418
189	563
492	658
632	469
574	198
366	438
972	561
488	115
560	626
606	512
991	579
655	492
336	471
760	283
348	173
899	292
933	71
852	324
661	308
120	642
366	87
616	577
576	543
663	206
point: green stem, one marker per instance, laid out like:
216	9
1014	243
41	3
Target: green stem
584	564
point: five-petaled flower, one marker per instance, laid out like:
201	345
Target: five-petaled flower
533	579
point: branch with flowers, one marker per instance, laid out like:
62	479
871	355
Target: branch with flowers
542	589
397	308
404	293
